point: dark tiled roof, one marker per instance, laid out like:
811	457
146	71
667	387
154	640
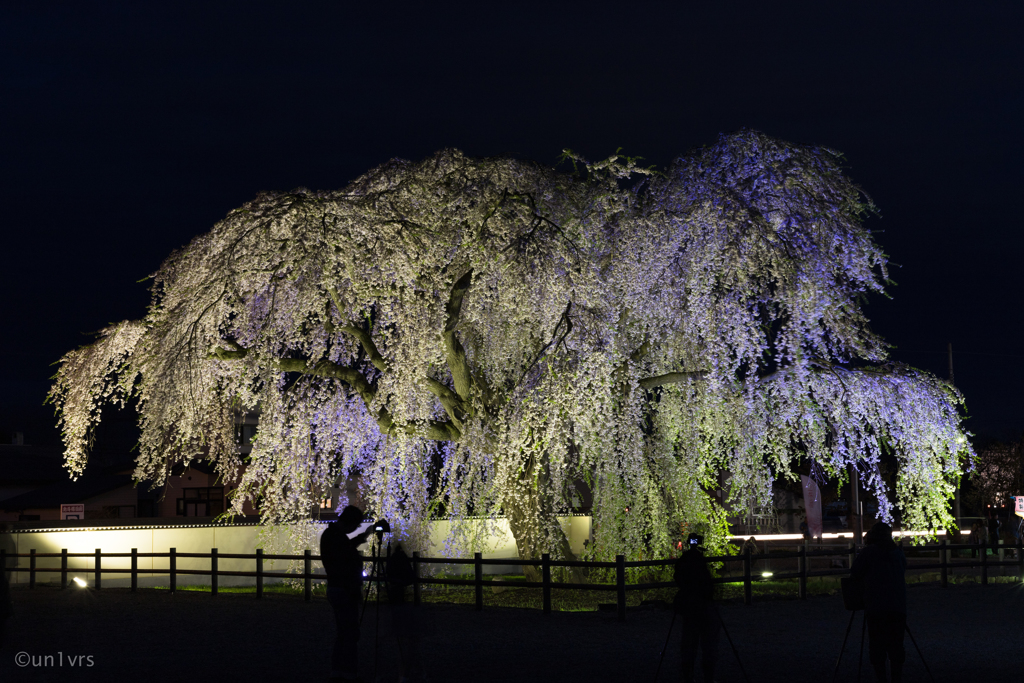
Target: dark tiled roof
28	464
66	491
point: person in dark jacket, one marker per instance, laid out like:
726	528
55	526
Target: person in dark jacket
5	593
694	603
5	604
344	569
881	567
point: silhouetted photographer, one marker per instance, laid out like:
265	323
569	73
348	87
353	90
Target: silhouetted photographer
694	603
344	567
5	593
880	569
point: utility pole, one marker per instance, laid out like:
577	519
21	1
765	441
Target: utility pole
956	493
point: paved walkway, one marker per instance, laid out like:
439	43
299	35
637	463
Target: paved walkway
968	633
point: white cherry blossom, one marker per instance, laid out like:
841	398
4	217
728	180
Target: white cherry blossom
474	337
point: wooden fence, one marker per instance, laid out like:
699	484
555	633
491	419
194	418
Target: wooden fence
802	554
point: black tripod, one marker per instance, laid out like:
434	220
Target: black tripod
921	655
376	575
860	660
727	636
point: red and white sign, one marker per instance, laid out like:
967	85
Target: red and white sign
1019	507
72	511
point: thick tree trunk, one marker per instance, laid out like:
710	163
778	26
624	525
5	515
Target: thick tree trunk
532	521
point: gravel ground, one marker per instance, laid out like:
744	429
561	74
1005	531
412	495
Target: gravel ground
967	633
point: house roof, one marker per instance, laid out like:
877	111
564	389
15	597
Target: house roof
67	491
30	464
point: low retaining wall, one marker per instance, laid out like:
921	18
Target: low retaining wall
201	538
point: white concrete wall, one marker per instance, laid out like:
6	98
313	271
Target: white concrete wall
499	543
227	539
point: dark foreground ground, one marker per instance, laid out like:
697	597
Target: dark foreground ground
968	633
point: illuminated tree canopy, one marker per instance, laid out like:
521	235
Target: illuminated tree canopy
475	336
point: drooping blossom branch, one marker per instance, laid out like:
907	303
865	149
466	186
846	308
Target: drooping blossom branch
484	337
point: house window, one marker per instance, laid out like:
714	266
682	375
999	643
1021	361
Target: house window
120	511
201	502
244	434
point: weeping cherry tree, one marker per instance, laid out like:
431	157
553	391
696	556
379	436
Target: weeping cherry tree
483	337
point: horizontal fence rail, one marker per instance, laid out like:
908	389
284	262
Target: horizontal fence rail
746	561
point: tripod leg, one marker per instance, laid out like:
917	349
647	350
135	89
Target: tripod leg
366	593
860	660
376	621
919	654
376	631
843	648
366	597
738	660
667	639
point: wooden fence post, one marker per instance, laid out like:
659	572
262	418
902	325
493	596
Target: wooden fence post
478	579
32	568
416	577
172	565
984	563
851	554
747	591
99	579
944	555
213	571
620	585
1020	559
545	560
135	569
307	561
259	573
63	568
802	568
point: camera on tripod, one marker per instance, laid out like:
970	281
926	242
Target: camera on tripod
381	527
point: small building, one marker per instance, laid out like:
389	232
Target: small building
104	496
27	468
196	491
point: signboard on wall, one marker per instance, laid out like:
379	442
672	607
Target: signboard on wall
72	511
1018	507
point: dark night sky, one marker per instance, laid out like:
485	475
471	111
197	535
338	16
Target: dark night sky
126	133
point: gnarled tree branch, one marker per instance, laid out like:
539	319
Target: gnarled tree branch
462	378
671	378
435	429
360	335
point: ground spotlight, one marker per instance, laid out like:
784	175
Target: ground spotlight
78	581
